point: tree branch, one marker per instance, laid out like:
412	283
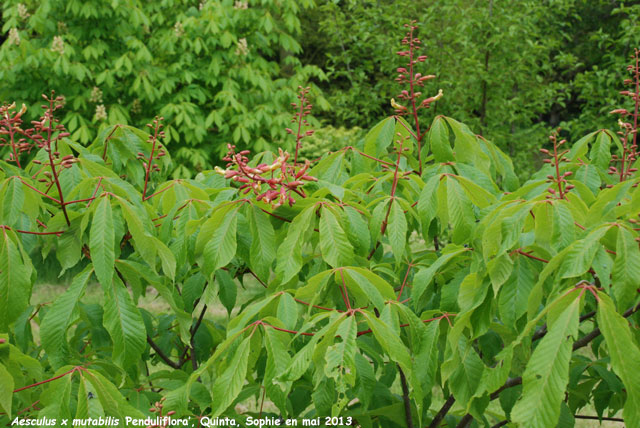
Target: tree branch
443	412
406	399
164	357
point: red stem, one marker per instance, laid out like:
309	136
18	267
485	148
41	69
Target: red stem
635	114
40	192
519	251
28	232
148	169
158	192
316	306
13	146
394	186
73	370
106	142
404	282
298	136
558	179
54	174
413	99
345	295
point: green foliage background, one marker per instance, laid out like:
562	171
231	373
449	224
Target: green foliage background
511	70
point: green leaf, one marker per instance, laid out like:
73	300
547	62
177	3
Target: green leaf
53	329
13	199
289	257
167	259
625	355
423	278
124	323
227	289
263	244
467	374
6	390
217	240
358	230
397	230
514	294
546	376
113	403
15	281
626	268
101	242
340	357
499	270
439	140
367	286
478	196
335	246
288	311
580	254
229	384
380	137
427	201
460	212
390	343
600	154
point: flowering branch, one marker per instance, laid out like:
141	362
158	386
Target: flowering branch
555	159
147	163
304	109
629	131
407	75
283	179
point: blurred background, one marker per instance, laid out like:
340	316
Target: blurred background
227	71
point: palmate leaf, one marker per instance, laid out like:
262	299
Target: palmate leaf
53	329
547	374
625	355
124	323
101	242
335	246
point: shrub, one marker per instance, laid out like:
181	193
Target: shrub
356	287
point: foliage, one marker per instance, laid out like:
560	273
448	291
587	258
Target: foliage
355	287
512	71
219	71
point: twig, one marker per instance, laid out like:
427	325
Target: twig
406	399
164	357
